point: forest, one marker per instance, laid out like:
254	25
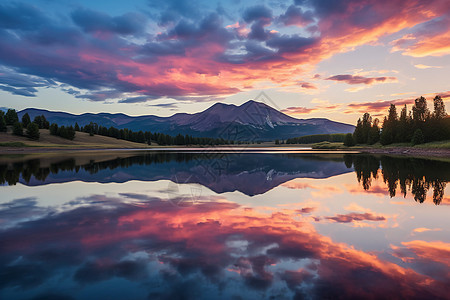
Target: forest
417	126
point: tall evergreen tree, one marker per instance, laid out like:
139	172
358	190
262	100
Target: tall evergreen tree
26	120
374	133
403	126
358	134
420	110
2	122
17	128
348	140
366	125
439	108
33	131
386	133
11	117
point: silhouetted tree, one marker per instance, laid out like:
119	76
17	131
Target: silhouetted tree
418	137
403	126
54	129
33	131
439	108
2	122
26	120
358	134
11	117
349	141
374	132
17	128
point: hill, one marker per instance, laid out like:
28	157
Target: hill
82	141
251	121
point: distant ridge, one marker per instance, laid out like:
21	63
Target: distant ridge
250	121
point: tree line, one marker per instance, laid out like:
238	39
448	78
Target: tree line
417	126
149	137
317	138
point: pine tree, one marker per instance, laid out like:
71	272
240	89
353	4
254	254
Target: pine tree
2	122
17	128
418	137
11	117
77	127
26	120
358	133
403	126
420	110
374	133
439	108
386	133
348	140
33	131
54	129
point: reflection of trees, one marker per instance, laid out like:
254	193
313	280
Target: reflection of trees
409	174
11	173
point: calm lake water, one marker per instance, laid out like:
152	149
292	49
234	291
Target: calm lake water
211	225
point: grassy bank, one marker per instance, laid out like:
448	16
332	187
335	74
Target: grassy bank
82	140
430	145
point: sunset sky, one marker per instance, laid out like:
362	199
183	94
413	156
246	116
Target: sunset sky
313	58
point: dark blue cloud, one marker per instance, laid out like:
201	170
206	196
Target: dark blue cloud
257	13
290	43
21	84
93	21
258	32
20	16
138	99
295	16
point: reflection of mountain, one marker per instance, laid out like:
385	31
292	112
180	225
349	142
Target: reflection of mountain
250	174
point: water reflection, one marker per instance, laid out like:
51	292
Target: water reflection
269	226
214	249
409	174
251	174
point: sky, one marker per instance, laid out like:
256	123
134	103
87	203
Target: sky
312	58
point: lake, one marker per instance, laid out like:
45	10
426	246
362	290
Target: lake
223	225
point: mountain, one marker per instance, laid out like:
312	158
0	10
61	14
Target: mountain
250	121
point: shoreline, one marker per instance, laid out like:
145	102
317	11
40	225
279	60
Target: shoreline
398	151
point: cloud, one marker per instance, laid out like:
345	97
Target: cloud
351	217
257	13
94	21
179	49
351	79
138	99
307	85
21	84
295	16
213	244
297	110
421	66
20	16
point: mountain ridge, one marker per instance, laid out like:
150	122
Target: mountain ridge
251	120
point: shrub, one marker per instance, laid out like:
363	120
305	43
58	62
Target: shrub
17	128
348	140
418	137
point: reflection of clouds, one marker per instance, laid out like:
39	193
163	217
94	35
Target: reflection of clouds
19	209
429	258
351	217
218	245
